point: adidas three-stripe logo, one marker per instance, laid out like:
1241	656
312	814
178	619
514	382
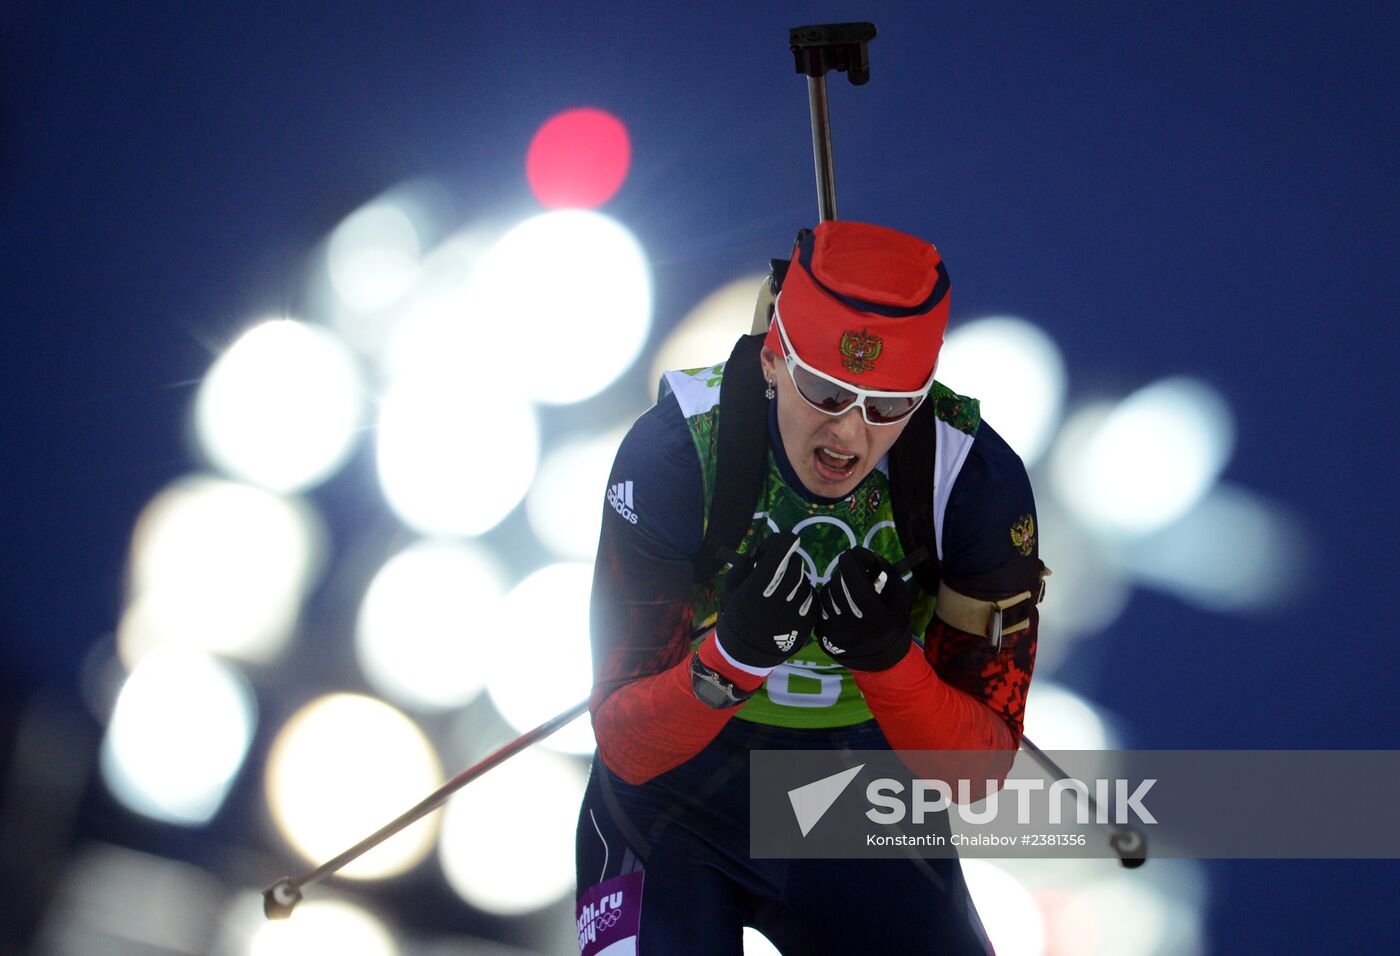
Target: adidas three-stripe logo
620	497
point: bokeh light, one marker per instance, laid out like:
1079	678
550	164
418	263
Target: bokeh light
1232	552
1087	591
432	331
578	159
565	504
1093	907
1148	461
220	567
1009	913
282	406
178	735
507	843
456	454
541	663
1059	719
1016	371
564	302
372	257
378	260
342	767
756	944
107	900
707	333
422	624
324	926
1135	919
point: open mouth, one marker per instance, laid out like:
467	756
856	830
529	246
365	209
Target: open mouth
834	465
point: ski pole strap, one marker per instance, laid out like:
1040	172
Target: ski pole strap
991	619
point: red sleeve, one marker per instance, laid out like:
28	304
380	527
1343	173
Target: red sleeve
646	719
651	725
956	694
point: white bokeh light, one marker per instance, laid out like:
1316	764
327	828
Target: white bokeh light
421	628
1087	591
179	732
107	900
507	844
1230	553
567	295
282	407
1133	918
565	504
377	264
707	333
1016	371
342	767
1096	908
540	662
756	944
323	927
433	332
218	566
456	453
1148	461
1059	719
372	257
1008	910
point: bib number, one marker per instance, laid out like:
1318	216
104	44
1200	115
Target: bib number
789	685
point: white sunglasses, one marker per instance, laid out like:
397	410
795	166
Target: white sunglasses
835	397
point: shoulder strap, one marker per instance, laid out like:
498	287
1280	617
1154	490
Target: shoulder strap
741	450
911	492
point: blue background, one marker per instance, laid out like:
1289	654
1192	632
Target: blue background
1167	188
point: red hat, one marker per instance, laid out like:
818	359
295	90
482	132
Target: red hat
865	304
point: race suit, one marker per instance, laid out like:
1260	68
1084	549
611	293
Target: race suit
663	831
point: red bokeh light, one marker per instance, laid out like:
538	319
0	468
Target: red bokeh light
578	159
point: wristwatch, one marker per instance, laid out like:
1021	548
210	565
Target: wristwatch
712	688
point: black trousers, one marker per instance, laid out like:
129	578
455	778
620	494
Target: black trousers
687	832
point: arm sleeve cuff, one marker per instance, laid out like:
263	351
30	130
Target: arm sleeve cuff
744	676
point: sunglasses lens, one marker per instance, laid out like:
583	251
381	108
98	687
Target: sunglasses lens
828	396
885	411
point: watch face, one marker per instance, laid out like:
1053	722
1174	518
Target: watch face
710	692
710	688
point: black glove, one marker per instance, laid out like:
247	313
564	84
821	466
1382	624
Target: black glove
863	626
766	615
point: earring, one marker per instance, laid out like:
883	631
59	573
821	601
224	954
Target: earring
768	392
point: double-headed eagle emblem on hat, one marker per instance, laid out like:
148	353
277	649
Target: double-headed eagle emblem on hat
860	350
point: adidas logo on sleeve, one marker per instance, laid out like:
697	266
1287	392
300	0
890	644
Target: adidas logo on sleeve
620	497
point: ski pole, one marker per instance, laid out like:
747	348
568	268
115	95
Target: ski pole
281	897
1128	842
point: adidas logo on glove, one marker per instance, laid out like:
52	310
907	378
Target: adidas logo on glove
785	641
620	497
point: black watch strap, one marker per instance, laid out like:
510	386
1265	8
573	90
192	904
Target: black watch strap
712	688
